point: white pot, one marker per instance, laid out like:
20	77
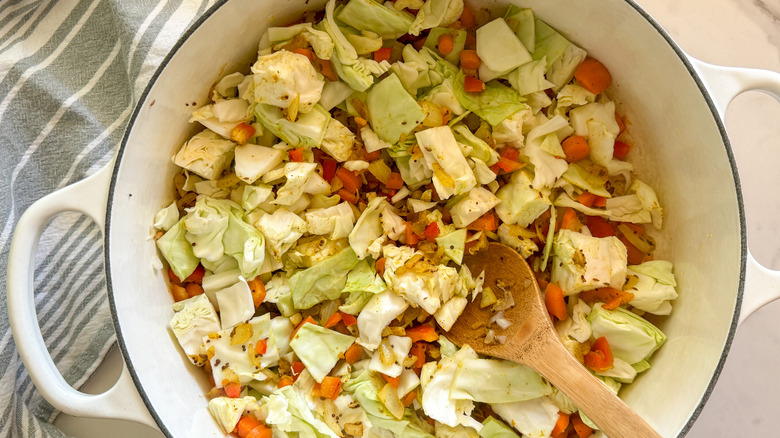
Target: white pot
675	105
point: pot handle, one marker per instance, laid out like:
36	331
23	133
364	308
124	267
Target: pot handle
122	401
762	285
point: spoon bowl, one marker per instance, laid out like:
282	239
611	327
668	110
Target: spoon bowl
531	340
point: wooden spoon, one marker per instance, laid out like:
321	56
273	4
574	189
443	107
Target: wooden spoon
532	340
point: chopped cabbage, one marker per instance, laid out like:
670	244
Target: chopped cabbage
393	112
477	202
177	251
436	13
323	281
377	314
254	161
497	381
336	221
368	227
206	154
654	288
520	203
368	15
534	418
194	319
283	78
319	348
631	337
582	262
451	172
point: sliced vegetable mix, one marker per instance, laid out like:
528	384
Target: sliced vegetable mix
316	243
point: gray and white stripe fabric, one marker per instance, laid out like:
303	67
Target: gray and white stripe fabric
70	74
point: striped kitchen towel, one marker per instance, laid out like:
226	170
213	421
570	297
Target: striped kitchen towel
70	74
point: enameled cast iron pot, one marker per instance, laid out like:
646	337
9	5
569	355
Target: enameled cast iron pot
675	108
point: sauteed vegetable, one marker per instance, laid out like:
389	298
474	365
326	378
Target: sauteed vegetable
315	245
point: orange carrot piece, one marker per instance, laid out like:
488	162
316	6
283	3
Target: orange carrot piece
347	196
179	293
467	18
395	181
296	155
380	266
261	347
473	85
353	354
233	389
308	320
582	429
324	67
330	387
600	202
418	351
333	320
486	222
570	220
411	238
469	59
245	425
609	295
592	75
575	148
297	368
258	291
348	319
446	44
600	358
506	165
422	333
372	156
554	301
621	124
193	289
587	199
509	153
383	54
242	132
393	381
561	424
351	180
408	399
260	431
285	381
305	52
431	232
621	150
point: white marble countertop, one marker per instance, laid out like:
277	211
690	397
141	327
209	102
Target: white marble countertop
746	399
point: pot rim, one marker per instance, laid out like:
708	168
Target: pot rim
631	3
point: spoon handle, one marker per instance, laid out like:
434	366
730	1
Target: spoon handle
587	392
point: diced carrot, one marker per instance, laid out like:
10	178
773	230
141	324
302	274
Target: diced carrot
575	148
467	18
509	153
638	229
431	232
582	429
353	354
634	255
486	222
372	156
333	320
242	132
592	75
411	238
261	347
621	150
347	196
328	168
383	54
553	299
285	381
352	181
330	387
324	67
179	293
296	154
245	425
469	59
380	266
418	351
473	85
258	291
172	277
305	52
609	295
297	368
260	432
395	181
393	381
599	227
621	124
233	389
600	202
422	333
446	44
409	398
308	320
193	289
600	358
570	220
506	165
586	198
349	320
561	424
